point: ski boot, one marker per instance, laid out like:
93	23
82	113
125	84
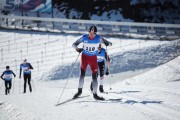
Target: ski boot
24	90
96	97
8	91
78	93
101	88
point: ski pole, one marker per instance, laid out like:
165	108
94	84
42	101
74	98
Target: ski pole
110	80
19	85
109	69
68	79
13	85
33	86
1	85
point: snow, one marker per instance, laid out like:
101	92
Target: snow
161	14
144	73
113	15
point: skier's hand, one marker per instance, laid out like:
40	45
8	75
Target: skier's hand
106	43
14	75
107	72
79	50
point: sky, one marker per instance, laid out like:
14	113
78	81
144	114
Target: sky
145	74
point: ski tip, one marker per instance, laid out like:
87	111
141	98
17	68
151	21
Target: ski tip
56	104
114	99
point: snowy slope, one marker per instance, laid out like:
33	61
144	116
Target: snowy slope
151	95
126	57
51	54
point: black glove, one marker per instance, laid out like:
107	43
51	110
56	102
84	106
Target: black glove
107	71
79	50
106	43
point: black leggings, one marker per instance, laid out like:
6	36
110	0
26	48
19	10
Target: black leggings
8	85
101	66
27	78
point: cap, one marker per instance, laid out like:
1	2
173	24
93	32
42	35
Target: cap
93	28
25	60
7	67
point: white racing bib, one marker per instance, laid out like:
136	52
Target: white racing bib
90	48
7	76
26	69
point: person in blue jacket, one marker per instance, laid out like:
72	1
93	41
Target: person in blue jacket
26	68
101	57
7	77
90	43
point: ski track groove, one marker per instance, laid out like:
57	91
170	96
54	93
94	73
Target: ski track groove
167	113
161	89
15	112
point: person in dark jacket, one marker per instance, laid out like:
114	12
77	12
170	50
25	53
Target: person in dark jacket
101	57
7	77
26	68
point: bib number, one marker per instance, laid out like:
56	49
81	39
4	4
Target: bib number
90	49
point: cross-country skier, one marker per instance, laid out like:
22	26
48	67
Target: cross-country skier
7	77
90	43
101	56
26	67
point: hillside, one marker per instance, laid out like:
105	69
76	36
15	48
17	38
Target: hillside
151	11
154	11
152	95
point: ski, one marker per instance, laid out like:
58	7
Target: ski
1	103
113	99
71	99
104	92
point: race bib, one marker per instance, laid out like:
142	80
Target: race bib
7	76
90	48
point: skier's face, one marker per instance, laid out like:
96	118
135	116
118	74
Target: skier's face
25	61
92	33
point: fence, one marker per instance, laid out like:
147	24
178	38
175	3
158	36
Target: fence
45	51
110	27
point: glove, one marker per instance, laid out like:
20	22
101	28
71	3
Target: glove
107	72
106	43
79	50
14	75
